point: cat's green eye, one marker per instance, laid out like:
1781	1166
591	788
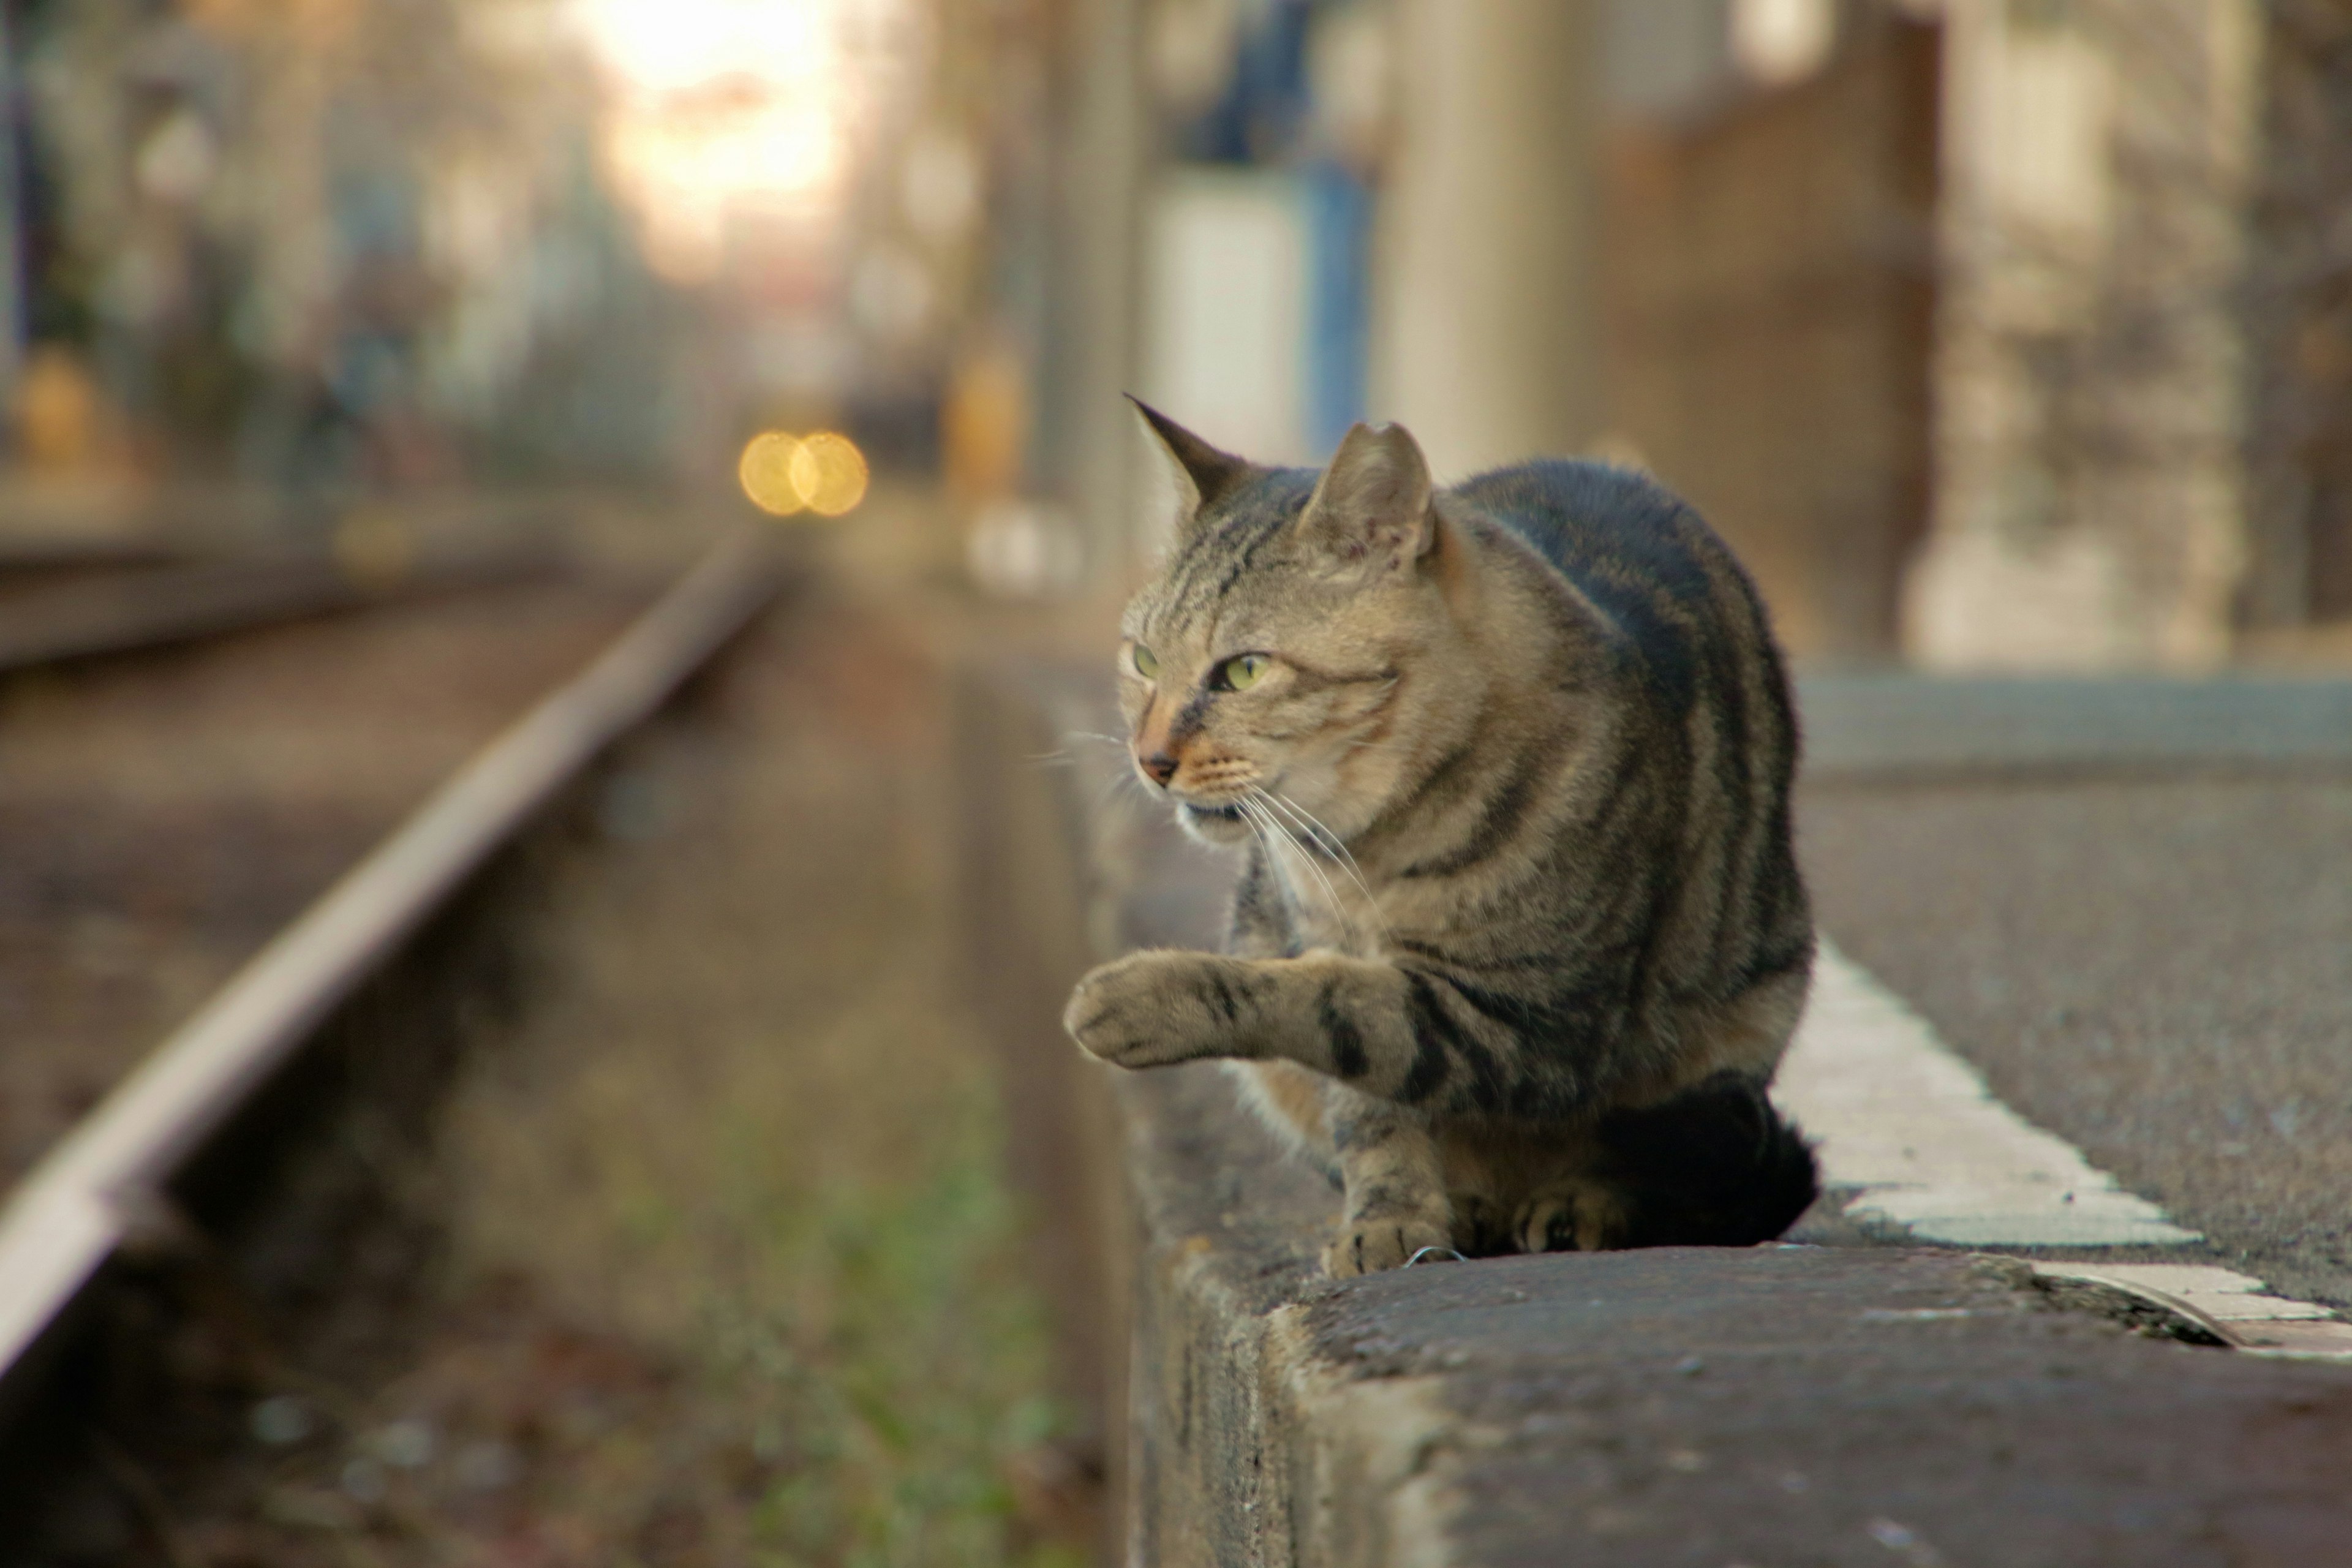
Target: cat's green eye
1242	671
1147	664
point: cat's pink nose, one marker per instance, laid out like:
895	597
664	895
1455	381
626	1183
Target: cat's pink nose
1161	766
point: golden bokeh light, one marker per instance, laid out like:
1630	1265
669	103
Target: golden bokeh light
765	472
783	474
829	474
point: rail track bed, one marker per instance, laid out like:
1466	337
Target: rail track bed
162	815
642	1205
257	893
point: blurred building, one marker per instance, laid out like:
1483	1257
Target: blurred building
355	245
1996	332
1769	286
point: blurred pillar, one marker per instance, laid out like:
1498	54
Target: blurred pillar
1092	447
1484	324
2091	380
12	221
2299	323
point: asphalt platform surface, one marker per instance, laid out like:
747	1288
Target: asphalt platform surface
2151	959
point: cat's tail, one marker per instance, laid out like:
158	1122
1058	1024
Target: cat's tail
1715	1166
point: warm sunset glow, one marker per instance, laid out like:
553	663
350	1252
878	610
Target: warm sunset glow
672	46
690	168
723	110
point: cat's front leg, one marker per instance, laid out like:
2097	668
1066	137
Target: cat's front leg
1152	1009
1345	1017
1394	1181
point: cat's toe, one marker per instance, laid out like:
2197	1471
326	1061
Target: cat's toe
1141	1011
1371	1243
1112	1014
1578	1216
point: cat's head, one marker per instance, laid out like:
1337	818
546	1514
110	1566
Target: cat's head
1283	663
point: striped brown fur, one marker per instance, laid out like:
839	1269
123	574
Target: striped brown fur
1519	938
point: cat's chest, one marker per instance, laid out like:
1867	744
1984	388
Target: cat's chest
1326	905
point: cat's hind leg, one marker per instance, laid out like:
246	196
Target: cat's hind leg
1714	1166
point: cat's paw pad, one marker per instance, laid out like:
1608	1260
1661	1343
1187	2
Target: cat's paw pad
1370	1243
1576	1217
1145	1010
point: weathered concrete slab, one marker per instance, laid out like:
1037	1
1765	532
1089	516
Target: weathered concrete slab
1683	1406
1916	1142
2156	969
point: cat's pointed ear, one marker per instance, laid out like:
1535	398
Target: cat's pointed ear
1200	472
1372	503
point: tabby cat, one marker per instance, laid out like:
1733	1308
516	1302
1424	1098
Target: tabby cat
1520	938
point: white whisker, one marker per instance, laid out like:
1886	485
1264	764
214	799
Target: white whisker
1333	849
1324	838
1335	845
1257	831
1270	833
1256	802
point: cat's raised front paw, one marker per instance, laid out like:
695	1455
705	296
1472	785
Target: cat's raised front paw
1370	1243
1149	1009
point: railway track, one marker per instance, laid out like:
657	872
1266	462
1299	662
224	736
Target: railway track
58	608
188	1133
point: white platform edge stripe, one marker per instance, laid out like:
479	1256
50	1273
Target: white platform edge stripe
1915	1139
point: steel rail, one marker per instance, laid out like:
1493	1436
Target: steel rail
79	1205
166	604
162	605
66	551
